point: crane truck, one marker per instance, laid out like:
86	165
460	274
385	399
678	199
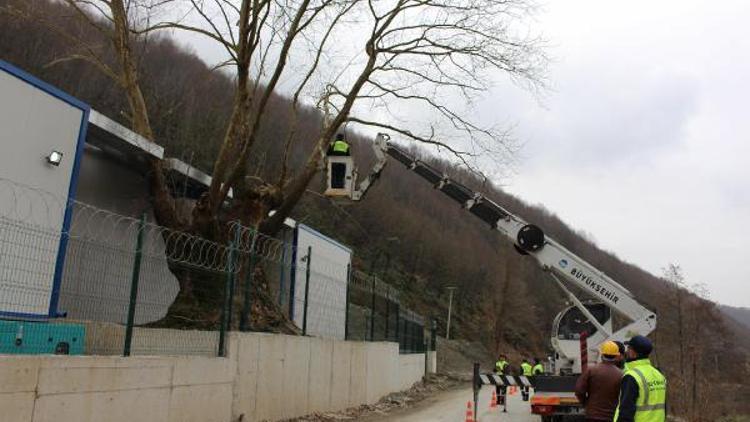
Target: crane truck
554	397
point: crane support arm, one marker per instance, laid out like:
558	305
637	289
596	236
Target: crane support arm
531	240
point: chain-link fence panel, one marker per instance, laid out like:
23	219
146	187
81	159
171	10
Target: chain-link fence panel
105	283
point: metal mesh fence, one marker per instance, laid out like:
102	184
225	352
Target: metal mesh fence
104	283
114	284
327	298
376	314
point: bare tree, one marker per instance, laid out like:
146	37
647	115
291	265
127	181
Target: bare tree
673	275
434	56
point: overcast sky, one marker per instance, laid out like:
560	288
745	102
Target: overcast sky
642	140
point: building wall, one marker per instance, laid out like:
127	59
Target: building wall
35	119
326	311
279	267
109	173
94	280
265	377
97	274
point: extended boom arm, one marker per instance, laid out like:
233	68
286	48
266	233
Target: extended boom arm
531	240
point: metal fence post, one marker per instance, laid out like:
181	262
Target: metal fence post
415	337
228	294
134	286
282	275
404	339
398	322
387	312
245	317
233	271
410	336
426	357
372	310
476	385
346	308
407	337
307	290
433	335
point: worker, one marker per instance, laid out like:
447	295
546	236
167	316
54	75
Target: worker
526	370
338	169
643	389
339	146
620	361
598	387
538	368
502	367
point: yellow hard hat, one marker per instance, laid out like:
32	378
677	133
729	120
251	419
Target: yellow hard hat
610	348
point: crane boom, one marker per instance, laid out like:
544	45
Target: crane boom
530	240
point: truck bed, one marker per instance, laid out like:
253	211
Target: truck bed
554	398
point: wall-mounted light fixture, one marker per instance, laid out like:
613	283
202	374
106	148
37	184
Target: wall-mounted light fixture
54	157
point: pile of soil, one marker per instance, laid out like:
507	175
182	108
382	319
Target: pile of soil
433	384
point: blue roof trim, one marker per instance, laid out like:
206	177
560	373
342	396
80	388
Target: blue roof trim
322	236
85	110
44	86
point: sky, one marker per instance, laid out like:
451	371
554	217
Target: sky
641	140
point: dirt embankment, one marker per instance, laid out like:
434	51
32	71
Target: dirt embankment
457	357
402	399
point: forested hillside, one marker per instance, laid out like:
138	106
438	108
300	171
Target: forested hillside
741	315
502	299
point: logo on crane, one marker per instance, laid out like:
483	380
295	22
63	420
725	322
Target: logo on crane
563	263
607	294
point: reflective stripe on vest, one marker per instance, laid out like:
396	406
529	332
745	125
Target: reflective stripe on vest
340	146
652	392
527	371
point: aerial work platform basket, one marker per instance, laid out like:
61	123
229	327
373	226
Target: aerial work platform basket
341	176
341	173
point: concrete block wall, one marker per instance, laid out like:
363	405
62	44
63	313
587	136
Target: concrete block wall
410	367
265	377
93	388
282	377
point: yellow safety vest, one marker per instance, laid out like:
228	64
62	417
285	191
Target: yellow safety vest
527	370
340	146
651	405
500	365
538	369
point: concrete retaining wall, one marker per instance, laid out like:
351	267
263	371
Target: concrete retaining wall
288	376
265	377
87	388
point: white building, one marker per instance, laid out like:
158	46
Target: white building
101	163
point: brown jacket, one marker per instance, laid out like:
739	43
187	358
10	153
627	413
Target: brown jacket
598	389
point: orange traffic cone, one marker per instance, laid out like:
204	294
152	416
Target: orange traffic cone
493	403
469	412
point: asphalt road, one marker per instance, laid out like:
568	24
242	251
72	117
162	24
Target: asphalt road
450	406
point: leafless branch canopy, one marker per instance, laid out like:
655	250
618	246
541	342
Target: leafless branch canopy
412	67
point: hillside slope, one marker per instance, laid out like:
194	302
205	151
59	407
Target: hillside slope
741	315
503	299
